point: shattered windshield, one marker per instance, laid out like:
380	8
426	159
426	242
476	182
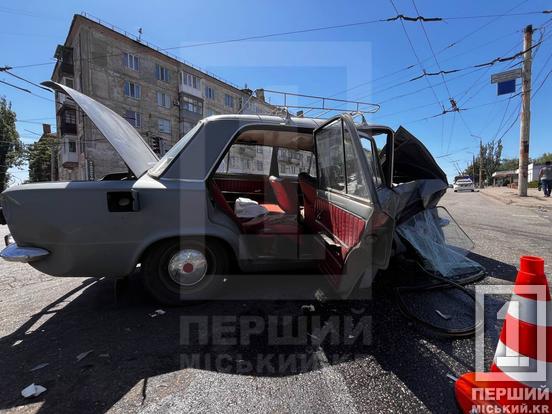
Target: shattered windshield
167	159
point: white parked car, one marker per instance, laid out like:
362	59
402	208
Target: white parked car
463	184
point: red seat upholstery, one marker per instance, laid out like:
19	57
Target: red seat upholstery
308	188
221	202
269	224
286	194
273	208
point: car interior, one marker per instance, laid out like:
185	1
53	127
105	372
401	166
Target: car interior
277	170
272	169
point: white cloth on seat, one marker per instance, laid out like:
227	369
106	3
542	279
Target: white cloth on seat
247	208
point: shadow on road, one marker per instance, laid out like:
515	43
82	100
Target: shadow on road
495	268
130	346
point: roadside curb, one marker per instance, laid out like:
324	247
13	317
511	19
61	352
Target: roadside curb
495	197
510	202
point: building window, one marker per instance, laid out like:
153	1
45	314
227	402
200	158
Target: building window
133	90
134	118
163	100
164	126
209	92
72	146
210	112
70	116
292	161
69	82
131	61
228	101
189	80
191	105
186	126
161	73
68	119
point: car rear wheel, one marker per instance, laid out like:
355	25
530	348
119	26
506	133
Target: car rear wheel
180	271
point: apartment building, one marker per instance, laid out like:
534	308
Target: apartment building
160	95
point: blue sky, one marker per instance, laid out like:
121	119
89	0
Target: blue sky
325	62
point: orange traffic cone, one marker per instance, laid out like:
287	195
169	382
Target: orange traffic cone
521	374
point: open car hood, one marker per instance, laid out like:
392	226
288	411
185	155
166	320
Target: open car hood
130	145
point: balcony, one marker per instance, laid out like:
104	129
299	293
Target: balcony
67	120
64	55
183	88
67	128
68	153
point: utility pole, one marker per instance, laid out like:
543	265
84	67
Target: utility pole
480	164
473	166
525	127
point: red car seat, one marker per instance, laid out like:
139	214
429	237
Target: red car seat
270	224
286	194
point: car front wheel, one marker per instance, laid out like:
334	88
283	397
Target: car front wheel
179	271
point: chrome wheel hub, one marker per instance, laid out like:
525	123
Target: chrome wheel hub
188	267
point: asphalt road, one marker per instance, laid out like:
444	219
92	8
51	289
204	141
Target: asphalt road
163	363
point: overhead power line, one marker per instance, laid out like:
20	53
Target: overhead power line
478	65
453	44
416	55
400	17
432	51
26	80
415	19
26	91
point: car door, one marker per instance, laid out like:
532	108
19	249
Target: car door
346	205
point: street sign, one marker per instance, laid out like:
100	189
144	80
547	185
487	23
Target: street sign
506	81
504	88
506	76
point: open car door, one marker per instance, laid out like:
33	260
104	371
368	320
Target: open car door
348	218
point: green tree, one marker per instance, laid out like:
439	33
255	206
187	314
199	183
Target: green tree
491	154
11	148
509	164
547	156
39	155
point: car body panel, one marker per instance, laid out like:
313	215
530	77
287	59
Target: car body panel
85	239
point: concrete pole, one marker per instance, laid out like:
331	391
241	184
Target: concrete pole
473	166
525	112
480	164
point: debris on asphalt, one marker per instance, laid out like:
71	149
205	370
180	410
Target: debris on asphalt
452	377
40	366
320	296
32	391
308	308
442	315
157	313
83	355
17	342
104	356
